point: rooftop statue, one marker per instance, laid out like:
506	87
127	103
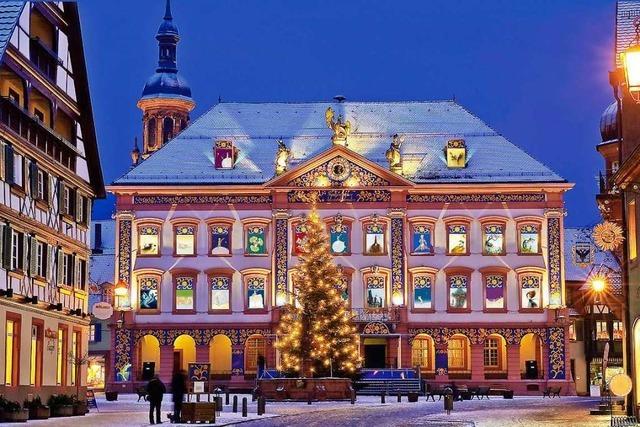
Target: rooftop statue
282	157
393	154
341	130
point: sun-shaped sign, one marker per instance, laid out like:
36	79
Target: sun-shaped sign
608	236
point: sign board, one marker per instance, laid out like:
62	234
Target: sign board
91	399
620	385
198	386
102	310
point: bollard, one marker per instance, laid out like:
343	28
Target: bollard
382	397
235	404
260	405
353	397
309	398
448	400
399	397
218	400
226	398
244	407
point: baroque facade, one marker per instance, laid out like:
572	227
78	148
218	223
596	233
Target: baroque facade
49	175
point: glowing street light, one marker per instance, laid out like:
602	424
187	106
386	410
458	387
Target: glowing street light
631	64
598	284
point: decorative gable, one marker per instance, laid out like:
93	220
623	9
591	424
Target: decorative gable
338	172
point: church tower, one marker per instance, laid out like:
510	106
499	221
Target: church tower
166	98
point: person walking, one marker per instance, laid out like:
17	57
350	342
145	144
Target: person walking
155	391
178	390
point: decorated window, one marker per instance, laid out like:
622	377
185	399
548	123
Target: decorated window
492	353
256	292
374	238
530	291
602	333
457	353
422	239
185	239
149	240
493	239
422	352
617	330
456	152
339	238
494	291
185	293
220	239
376	291
422	291
149	293
529	238
224	155
344	289
457	239
220	287
299	238
255	240
458	292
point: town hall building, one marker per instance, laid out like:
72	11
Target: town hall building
448	237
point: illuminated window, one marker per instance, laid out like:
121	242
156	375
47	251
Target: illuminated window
61	357
220	292
572	331
456	152
11	355
422	291
339	237
493	239
149	240
633	245
374	239
92	332
457	239
220	239
422	239
256	288
148	293
494	291
617	330
184	296
75	352
421	352
376	291
530	291
529	238
458	292
255	240
224	155
254	348
299	238
457	353
493	347
602	333
185	239
35	357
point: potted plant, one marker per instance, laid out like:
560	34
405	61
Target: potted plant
79	406
77	361
111	396
14	413
61	405
37	410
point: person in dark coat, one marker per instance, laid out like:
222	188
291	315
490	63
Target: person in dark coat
178	390
155	391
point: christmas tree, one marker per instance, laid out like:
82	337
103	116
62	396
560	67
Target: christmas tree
316	334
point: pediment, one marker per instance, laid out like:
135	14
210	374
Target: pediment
338	167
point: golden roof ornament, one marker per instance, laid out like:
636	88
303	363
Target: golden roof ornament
608	236
393	154
341	130
282	157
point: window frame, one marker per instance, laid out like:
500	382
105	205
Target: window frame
223	222
382	221
495	271
459	271
385	273
141	275
494	221
422	221
185	222
632	229
466	349
186	273
39	350
149	222
528	220
347	222
256	222
430	350
458	221
219	272
16	336
499	349
294	224
62	354
247	275
423	271
531	271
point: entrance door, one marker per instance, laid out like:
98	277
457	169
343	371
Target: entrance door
177	360
375	355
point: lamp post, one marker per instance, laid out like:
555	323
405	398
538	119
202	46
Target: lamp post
631	64
121	292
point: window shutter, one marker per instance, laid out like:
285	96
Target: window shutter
98	333
24	239
77	210
74	271
3	229
45	183
49	254
8	164
60	196
2	165
87	214
33	257
6	250
59	266
33	178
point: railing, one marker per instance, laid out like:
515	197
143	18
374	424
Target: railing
45	59
32	130
390	314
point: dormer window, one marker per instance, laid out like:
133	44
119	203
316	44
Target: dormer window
224	154
456	152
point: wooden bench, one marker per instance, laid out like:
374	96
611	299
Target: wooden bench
504	392
481	393
551	392
142	393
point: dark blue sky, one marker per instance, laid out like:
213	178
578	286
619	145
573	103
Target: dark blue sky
534	70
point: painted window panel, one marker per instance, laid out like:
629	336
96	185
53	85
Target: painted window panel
184	293
421	240
339	239
529	239
343	288
220	240
494	291
376	291
493	242
185	240
458	291
422	291
256	240
374	239
148	293
457	239
530	291
299	238
256	292
220	293
149	240
223	155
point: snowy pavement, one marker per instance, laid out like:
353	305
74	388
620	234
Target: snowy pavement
367	412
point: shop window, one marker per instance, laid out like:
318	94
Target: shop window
299	237
458	292
422	352
617	330
185	293
61	357
149	293
457	353
220	239
220	292
374	238
494	291
339	237
422	291
493	239
602	333
422	239
185	240
376	291
149	240
254	349
529	239
255	240
530	291
256	292
457	239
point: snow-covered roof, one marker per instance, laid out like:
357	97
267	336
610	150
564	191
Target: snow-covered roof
9	14
255	127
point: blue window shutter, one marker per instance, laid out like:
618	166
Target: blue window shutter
98	334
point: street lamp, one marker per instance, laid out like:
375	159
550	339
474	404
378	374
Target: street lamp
121	292
631	64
